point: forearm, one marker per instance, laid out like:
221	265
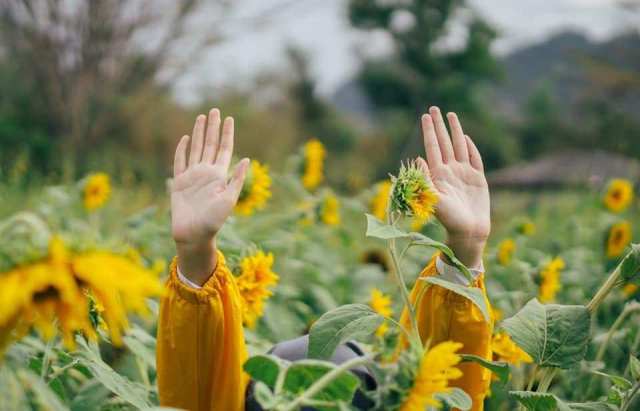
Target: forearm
197	260
468	249
201	345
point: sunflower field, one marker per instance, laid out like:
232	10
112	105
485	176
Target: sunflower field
82	268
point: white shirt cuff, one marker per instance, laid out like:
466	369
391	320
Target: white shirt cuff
186	281
454	275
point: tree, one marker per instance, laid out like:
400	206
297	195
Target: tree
421	72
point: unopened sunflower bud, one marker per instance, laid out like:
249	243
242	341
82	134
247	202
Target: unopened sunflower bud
413	192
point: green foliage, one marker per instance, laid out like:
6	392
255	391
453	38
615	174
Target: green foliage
553	335
500	369
342	324
473	294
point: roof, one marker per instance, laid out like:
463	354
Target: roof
567	168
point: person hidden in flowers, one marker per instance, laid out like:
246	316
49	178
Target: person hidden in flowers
201	346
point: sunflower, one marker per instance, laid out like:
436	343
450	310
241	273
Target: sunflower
629	290
314	154
506	249
507	350
380	200
381	304
527	228
330	210
550	280
97	190
436	369
256	276
618	239
618	195
56	288
256	190
413	193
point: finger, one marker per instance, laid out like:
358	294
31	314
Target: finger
226	144
443	135
180	160
235	185
474	155
457	137
431	147
424	167
196	140
213	135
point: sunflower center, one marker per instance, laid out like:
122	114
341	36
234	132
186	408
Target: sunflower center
49	292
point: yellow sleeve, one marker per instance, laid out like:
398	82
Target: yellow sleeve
444	315
201	347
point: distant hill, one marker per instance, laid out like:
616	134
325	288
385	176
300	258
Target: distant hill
568	64
573	68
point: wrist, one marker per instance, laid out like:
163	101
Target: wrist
197	260
468	249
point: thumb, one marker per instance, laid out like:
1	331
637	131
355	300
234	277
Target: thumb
235	185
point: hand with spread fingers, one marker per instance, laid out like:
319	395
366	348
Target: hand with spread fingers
456	169
202	196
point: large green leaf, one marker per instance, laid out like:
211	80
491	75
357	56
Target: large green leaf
537	401
500	369
421	239
631	263
43	393
302	374
378	229
456	398
264	368
128	391
553	335
473	294
618	381
337	326
634	367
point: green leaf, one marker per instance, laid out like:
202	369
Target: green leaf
378	229
499	368
456	398
591	406
553	335
538	401
346	322
264	368
630	265
618	381
128	391
302	374
473	294
421	239
43	394
634	367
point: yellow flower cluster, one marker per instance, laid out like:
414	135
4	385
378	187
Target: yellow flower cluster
256	190
506	249
550	280
256	276
507	350
97	190
314	154
380	200
618	195
413	193
58	288
330	210
527	228
618	239
436	369
381	304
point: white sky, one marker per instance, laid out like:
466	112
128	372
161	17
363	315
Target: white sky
321	28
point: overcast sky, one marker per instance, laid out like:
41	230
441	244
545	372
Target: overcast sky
321	28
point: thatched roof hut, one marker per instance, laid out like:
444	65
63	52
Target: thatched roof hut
567	168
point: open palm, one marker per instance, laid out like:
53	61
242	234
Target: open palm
456	169
202	197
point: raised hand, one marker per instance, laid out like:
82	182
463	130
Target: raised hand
456	169
202	196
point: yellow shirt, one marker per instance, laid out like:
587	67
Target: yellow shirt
201	347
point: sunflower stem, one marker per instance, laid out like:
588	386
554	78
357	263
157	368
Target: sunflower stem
604	290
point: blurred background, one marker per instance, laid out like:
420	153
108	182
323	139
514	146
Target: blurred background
548	90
